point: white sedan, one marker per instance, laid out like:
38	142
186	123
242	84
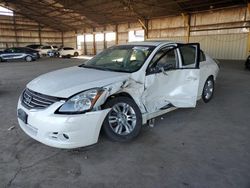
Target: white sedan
120	89
68	52
43	51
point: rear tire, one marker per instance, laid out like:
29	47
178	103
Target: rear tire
124	121
28	58
247	64
208	90
76	54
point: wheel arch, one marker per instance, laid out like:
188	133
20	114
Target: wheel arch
211	76
120	98
32	59
120	94
125	94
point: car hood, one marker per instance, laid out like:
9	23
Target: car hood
69	81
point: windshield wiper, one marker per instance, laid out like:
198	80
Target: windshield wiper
103	68
94	67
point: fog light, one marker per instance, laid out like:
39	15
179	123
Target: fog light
54	135
65	136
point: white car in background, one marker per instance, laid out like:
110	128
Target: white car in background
120	89
68	52
43	51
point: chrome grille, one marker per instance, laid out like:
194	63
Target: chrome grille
34	100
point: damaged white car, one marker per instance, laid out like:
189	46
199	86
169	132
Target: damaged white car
118	90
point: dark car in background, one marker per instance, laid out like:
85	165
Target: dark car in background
16	53
247	63
35	46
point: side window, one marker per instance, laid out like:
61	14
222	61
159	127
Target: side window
137	55
67	48
188	54
9	50
165	57
46	47
16	50
19	50
202	56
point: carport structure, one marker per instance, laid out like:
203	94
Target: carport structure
212	23
207	146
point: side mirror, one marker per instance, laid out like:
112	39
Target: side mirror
159	68
168	67
153	70
165	68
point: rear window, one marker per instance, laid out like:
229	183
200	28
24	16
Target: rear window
46	47
188	55
202	56
18	50
67	48
9	50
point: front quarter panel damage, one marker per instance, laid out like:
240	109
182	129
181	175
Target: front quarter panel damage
129	86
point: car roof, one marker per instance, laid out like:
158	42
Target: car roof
152	42
34	45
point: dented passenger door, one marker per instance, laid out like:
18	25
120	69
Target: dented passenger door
172	77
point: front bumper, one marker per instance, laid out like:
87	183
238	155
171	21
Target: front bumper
62	131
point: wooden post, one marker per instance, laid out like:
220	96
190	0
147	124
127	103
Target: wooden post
248	36
145	27
76	39
15	30
39	34
116	36
62	37
104	38
146	30
248	43
188	28
94	43
186	20
84	44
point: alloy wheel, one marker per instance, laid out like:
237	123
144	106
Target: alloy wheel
208	89
122	119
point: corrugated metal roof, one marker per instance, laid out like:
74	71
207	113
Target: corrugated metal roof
77	14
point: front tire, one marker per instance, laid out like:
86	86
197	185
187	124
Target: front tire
28	59
208	90
124	121
76	54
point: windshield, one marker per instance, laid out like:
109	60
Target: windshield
126	58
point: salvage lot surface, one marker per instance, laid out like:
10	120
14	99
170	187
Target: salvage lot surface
208	146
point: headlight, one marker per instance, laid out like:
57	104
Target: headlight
81	102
